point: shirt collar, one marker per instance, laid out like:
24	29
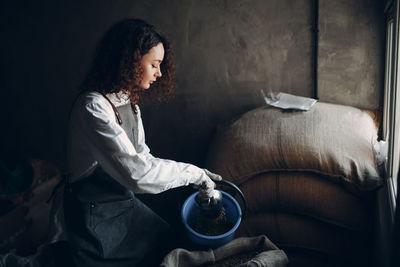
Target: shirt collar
119	99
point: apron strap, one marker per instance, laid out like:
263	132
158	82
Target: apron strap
134	109
114	108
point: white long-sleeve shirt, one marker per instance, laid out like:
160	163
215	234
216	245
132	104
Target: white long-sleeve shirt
95	137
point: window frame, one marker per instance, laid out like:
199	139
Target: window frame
391	111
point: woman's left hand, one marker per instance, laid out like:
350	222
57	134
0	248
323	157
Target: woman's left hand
206	188
213	176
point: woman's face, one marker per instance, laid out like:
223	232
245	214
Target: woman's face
150	64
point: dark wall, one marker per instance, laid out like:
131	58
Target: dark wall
225	52
351	61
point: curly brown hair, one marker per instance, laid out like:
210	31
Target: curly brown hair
116	66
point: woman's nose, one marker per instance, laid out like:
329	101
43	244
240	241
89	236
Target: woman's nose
158	73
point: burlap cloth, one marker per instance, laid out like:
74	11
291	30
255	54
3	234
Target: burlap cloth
265	254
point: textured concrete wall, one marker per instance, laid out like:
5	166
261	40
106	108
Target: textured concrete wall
351	49
225	52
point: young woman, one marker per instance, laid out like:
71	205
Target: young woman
108	159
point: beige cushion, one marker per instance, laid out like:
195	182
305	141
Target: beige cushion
308	195
288	230
332	140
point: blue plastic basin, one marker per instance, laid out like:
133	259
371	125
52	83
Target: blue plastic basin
233	215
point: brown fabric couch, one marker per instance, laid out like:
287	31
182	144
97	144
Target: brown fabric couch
309	179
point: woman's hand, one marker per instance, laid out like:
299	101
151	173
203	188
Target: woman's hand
213	176
206	188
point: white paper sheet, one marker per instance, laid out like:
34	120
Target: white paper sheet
288	101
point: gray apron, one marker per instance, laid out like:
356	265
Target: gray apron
107	225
